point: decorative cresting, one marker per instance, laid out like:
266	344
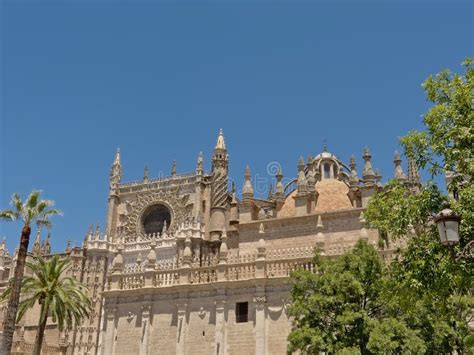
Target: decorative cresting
176	204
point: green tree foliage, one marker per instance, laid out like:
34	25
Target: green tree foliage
32	210
340	307
430	285
447	143
59	295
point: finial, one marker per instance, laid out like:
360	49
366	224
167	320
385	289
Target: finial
399	174
117	157
115	175
413	175
247	191
301	163
302	184
173	168
354	178
368	173
247	173
378	178
279	188
37	242
352	162
46	247
145	174
220	140
200	164
68	247
279	174
270	192
319	225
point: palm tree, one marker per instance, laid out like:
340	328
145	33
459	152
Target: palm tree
33	210
62	296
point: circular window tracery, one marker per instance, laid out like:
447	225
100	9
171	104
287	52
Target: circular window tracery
155	217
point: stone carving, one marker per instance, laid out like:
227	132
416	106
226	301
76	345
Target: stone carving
202	312
123	211
260	299
132	224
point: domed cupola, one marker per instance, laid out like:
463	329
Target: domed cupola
328	166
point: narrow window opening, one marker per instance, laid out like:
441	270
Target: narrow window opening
327	173
241	312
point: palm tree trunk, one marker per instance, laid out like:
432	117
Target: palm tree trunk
10	319
41	327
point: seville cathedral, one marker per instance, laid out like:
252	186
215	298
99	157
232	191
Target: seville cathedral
187	266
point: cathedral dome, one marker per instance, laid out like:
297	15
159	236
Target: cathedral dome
332	196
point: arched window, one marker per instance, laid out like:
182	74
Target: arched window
327	171
154	218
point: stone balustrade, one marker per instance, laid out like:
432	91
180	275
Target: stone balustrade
253	269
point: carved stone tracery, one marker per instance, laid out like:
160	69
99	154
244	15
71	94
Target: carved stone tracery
132	223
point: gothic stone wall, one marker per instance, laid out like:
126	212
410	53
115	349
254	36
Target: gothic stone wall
190	323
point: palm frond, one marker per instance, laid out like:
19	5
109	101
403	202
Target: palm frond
8	215
65	297
16	202
32	200
32	210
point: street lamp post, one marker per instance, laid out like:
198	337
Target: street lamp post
448	222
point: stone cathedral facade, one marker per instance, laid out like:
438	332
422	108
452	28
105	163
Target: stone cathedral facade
186	266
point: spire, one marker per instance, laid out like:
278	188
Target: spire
116	171
37	243
47	244
279	188
234	209
220	157
397	161
270	192
413	174
220	140
145	175
200	164
354	178
301	182
173	168
117	157
219	188
97	233
247	192
368	173
378	178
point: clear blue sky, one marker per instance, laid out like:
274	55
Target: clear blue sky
158	79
